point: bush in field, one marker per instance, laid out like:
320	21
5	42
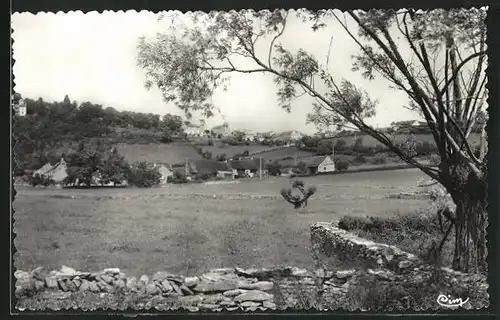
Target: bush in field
143	176
340	144
435	159
425	148
299	199
418	233
300	168
221	157
204	176
360	158
207	155
274	169
379	160
342	165
40	180
177	178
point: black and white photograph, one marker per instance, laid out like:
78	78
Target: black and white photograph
250	161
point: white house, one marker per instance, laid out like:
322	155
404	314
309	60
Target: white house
193	130
320	164
295	135
56	172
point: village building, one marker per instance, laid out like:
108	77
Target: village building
207	167
193	130
248	168
407	124
320	164
56	172
165	170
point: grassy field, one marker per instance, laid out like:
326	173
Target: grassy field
192	228
220	148
173	153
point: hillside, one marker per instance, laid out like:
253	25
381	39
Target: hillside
173	153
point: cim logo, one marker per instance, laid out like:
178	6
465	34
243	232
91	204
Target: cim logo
449	302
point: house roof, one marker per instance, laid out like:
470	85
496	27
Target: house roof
208	166
167	165
315	161
403	123
245	164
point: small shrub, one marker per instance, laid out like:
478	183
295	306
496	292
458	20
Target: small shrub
379	160
207	155
340	144
435	159
360	158
349	223
342	165
204	176
40	180
177	178
221	157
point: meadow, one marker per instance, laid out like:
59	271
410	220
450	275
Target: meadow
191	228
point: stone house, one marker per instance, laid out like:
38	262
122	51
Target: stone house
248	168
165	170
320	164
56	172
206	167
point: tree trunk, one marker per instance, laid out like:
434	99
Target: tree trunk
470	227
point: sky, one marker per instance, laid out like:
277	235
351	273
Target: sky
92	57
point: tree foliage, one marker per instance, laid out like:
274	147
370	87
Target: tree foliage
439	63
298	199
144	176
114	169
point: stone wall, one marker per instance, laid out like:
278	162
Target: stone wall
331	241
218	289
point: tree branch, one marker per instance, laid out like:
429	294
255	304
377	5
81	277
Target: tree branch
274	39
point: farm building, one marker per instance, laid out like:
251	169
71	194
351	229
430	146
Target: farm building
248	168
320	164
211	167
193	130
407	124
45	168
56	172
165	170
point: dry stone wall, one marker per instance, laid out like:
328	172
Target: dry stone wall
219	289
329	240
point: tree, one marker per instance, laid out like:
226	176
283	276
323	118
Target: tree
340	144
114	168
441	70
221	157
144	176
298	200
324	147
238	136
274	169
171	125
82	166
